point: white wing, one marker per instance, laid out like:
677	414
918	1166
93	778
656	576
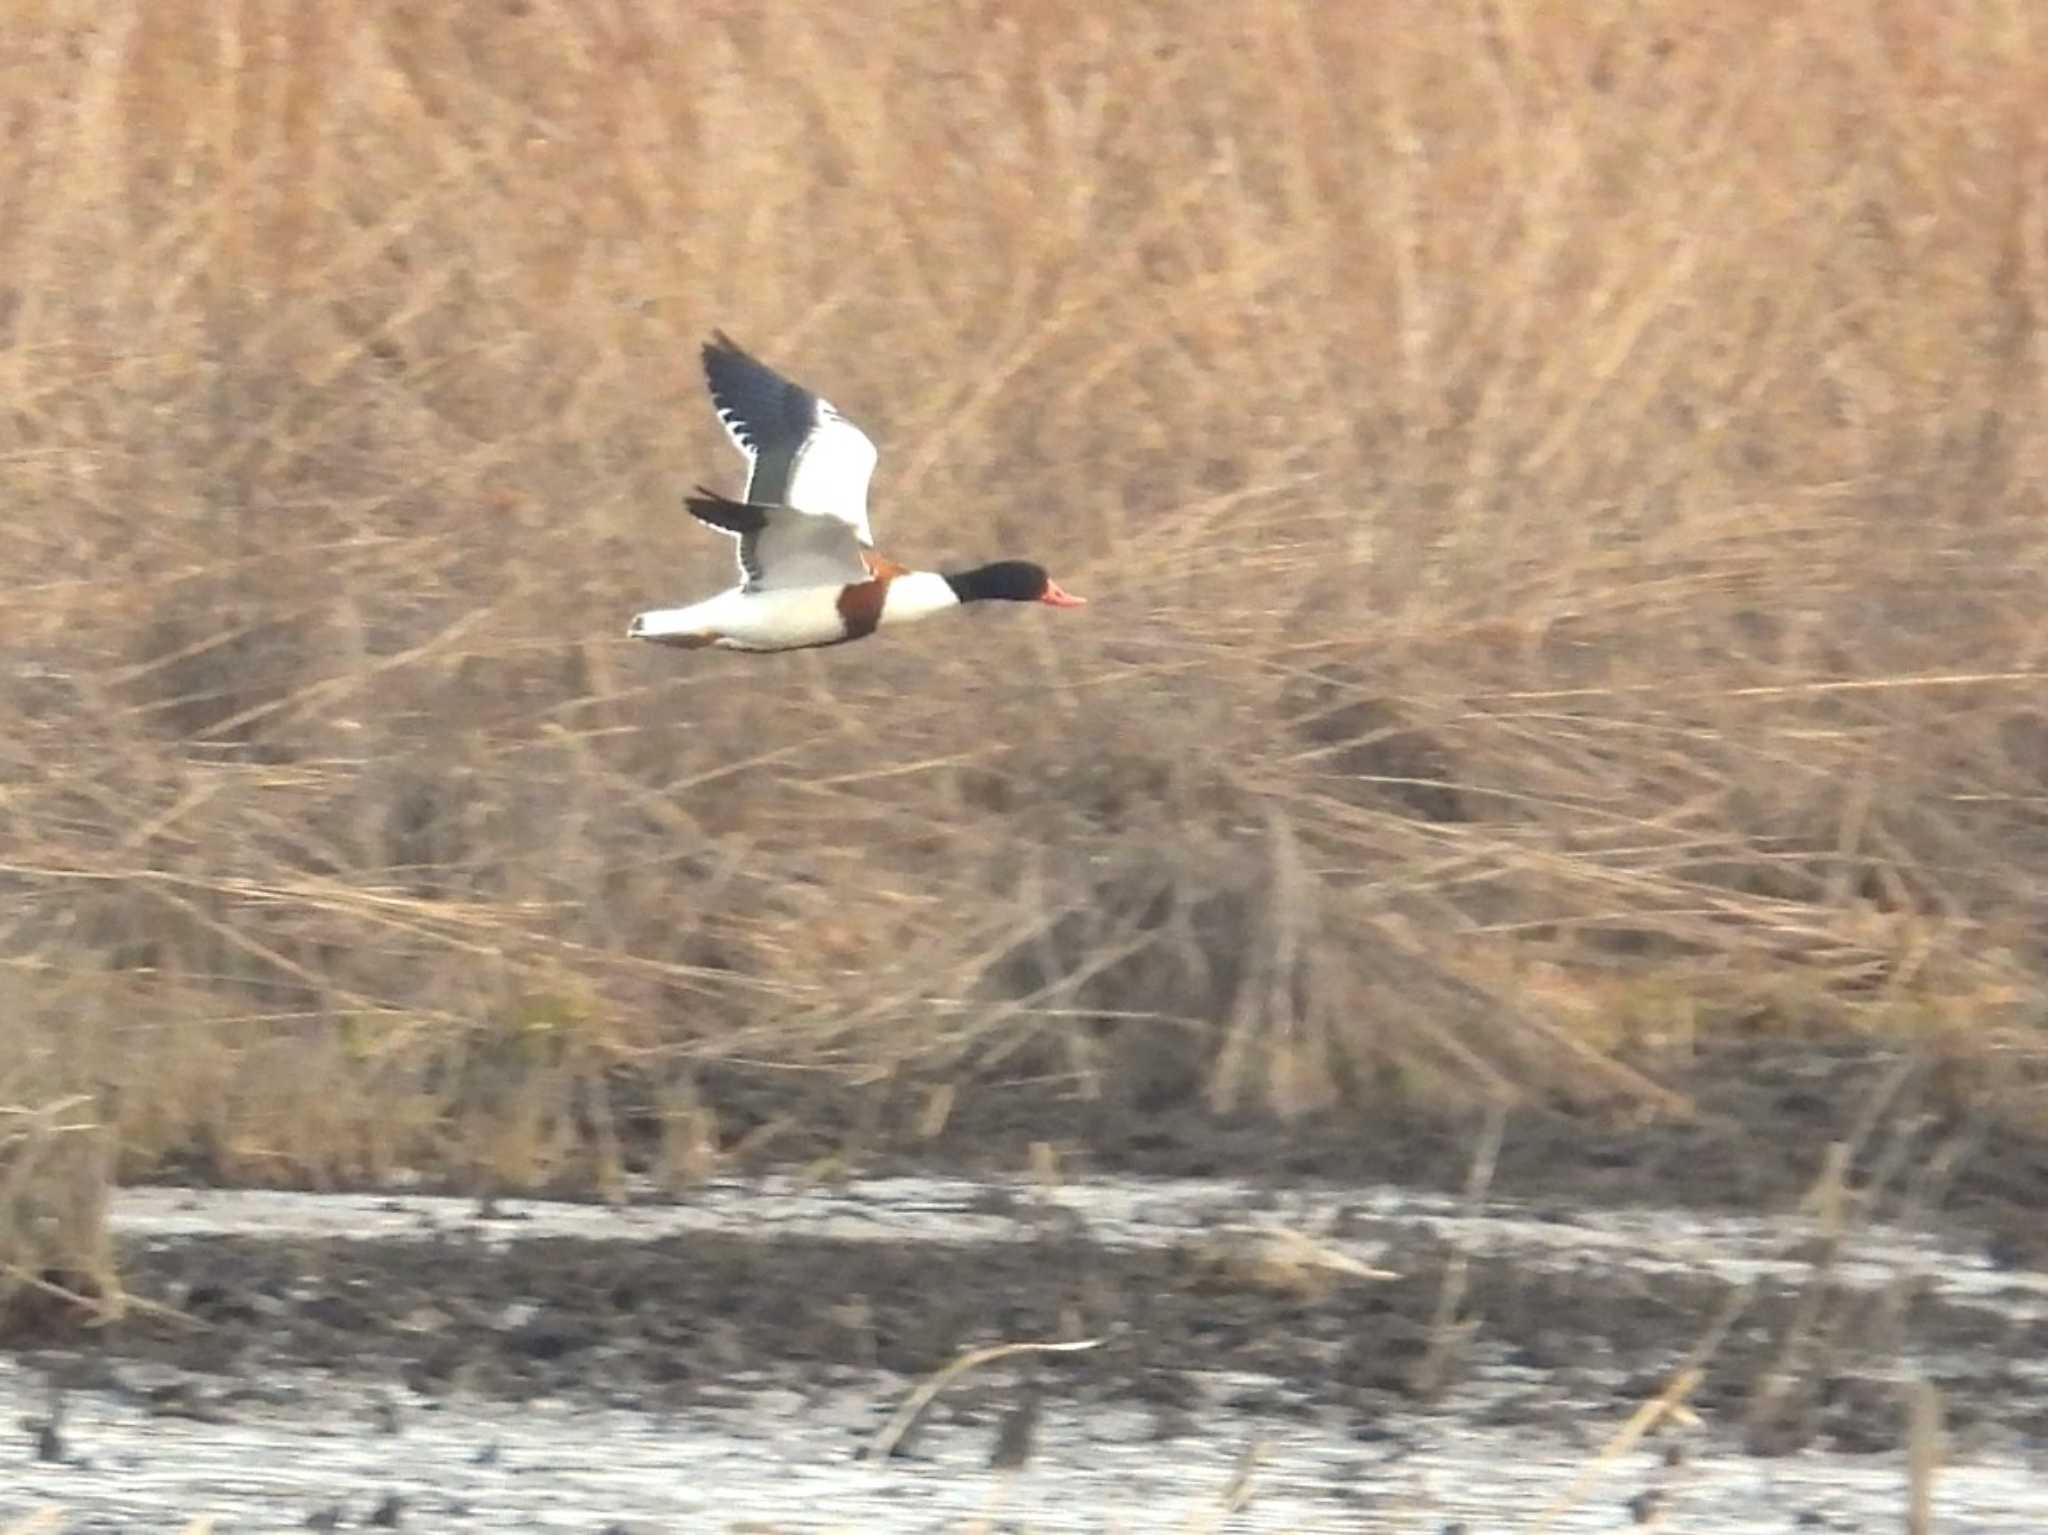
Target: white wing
804	453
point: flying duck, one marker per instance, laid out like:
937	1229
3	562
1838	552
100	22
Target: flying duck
809	573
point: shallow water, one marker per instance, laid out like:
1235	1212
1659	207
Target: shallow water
773	1460
762	1455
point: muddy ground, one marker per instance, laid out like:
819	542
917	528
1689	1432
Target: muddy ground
663	1324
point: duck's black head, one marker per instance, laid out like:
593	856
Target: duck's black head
1011	581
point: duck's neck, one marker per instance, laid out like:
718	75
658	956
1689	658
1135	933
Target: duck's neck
919	594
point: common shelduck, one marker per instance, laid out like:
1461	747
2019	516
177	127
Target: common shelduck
809	571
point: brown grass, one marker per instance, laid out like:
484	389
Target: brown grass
1562	494
56	1256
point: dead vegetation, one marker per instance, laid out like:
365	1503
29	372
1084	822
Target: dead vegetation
1562	498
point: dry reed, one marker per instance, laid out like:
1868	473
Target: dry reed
1562	493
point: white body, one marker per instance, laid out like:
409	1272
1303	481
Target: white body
790	618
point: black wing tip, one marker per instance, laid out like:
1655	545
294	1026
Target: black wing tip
757	404
717	356
722	345
734	375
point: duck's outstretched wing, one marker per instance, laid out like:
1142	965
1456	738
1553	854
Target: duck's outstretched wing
804	453
781	547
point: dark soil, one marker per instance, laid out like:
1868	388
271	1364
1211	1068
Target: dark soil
662	1324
